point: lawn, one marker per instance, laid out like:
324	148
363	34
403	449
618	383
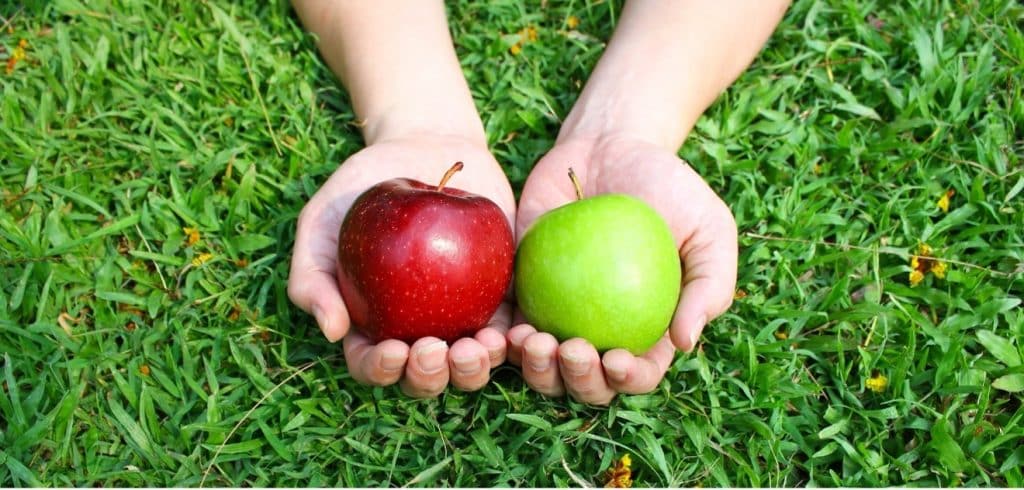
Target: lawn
154	155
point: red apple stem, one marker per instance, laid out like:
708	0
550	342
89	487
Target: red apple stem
447	175
576	184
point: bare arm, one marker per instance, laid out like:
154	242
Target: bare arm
397	61
666	63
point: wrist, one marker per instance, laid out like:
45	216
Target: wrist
404	122
603	118
454	142
605	111
392	128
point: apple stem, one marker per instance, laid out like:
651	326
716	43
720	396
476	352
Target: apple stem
447	175
576	184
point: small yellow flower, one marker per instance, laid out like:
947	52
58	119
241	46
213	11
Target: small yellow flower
916	277
943	202
924	262
781	335
877	383
529	33
201	259
191	235
526	35
620	476
144	369
18	54
572	22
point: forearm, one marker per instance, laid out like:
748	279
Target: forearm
666	63
398	64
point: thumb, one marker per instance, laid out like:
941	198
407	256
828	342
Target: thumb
312	284
709	280
547	187
317	293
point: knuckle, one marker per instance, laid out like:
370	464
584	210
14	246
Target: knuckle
426	386
422	391
646	386
379	381
587	391
357	375
546	387
379	377
471	384
593	398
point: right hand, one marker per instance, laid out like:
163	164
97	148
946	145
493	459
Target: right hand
426	367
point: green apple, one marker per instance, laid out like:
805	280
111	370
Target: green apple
604	268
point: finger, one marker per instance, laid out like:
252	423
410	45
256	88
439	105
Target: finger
709	279
426	372
492	337
312	284
547	187
374	364
468	364
634	375
316	292
494	344
540	364
515	337
582	373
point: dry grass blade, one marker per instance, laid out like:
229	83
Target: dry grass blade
882	250
245	417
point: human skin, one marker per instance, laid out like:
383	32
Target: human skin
397	61
665	64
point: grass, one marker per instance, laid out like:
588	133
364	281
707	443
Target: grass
132	357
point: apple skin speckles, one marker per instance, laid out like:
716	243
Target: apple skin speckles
414	261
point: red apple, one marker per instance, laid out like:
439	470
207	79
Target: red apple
418	260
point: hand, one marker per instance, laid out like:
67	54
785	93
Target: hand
705	233
426	367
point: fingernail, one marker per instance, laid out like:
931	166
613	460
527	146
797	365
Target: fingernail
432	357
495	353
616	373
537	360
466	365
573	364
322	320
697	328
392	361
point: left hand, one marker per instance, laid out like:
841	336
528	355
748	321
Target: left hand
705	234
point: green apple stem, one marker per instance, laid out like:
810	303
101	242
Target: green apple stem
576	184
447	175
